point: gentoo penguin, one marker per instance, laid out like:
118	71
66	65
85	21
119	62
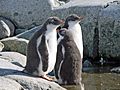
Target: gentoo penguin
70	52
42	49
73	26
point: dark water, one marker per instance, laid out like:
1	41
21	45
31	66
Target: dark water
98	79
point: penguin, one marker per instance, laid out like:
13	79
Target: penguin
68	63
68	67
42	49
72	23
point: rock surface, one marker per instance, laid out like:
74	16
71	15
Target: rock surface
7	68
109	31
11	75
28	34
14	57
7	28
8	84
25	13
116	70
15	44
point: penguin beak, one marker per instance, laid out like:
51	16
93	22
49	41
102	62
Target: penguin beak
80	18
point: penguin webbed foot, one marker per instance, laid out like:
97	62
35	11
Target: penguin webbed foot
47	78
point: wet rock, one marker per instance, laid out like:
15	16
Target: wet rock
27	34
7	28
87	63
15	44
8	84
14	57
1	46
116	70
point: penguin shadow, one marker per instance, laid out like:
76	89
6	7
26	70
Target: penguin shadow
5	72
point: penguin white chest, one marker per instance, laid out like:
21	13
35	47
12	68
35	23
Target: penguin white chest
51	42
75	29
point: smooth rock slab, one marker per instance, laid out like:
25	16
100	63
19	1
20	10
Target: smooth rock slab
34	83
14	57
7	68
8	84
29	33
15	44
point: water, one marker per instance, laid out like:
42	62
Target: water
98	79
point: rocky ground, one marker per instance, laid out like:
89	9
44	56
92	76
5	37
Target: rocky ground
12	77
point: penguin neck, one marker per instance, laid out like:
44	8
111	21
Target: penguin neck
75	30
51	30
74	27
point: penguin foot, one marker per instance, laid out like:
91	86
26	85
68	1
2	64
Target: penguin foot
46	78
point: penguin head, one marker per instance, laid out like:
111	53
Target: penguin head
72	19
54	22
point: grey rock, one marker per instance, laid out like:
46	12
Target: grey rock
19	31
14	57
109	30
7	28
116	70
27	34
15	44
8	84
34	83
7	68
24	81
25	13
1	46
87	63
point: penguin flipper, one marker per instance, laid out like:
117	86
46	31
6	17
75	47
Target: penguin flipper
59	59
44	53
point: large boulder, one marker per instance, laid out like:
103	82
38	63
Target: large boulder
15	44
7	28
9	84
25	13
109	31
14	57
